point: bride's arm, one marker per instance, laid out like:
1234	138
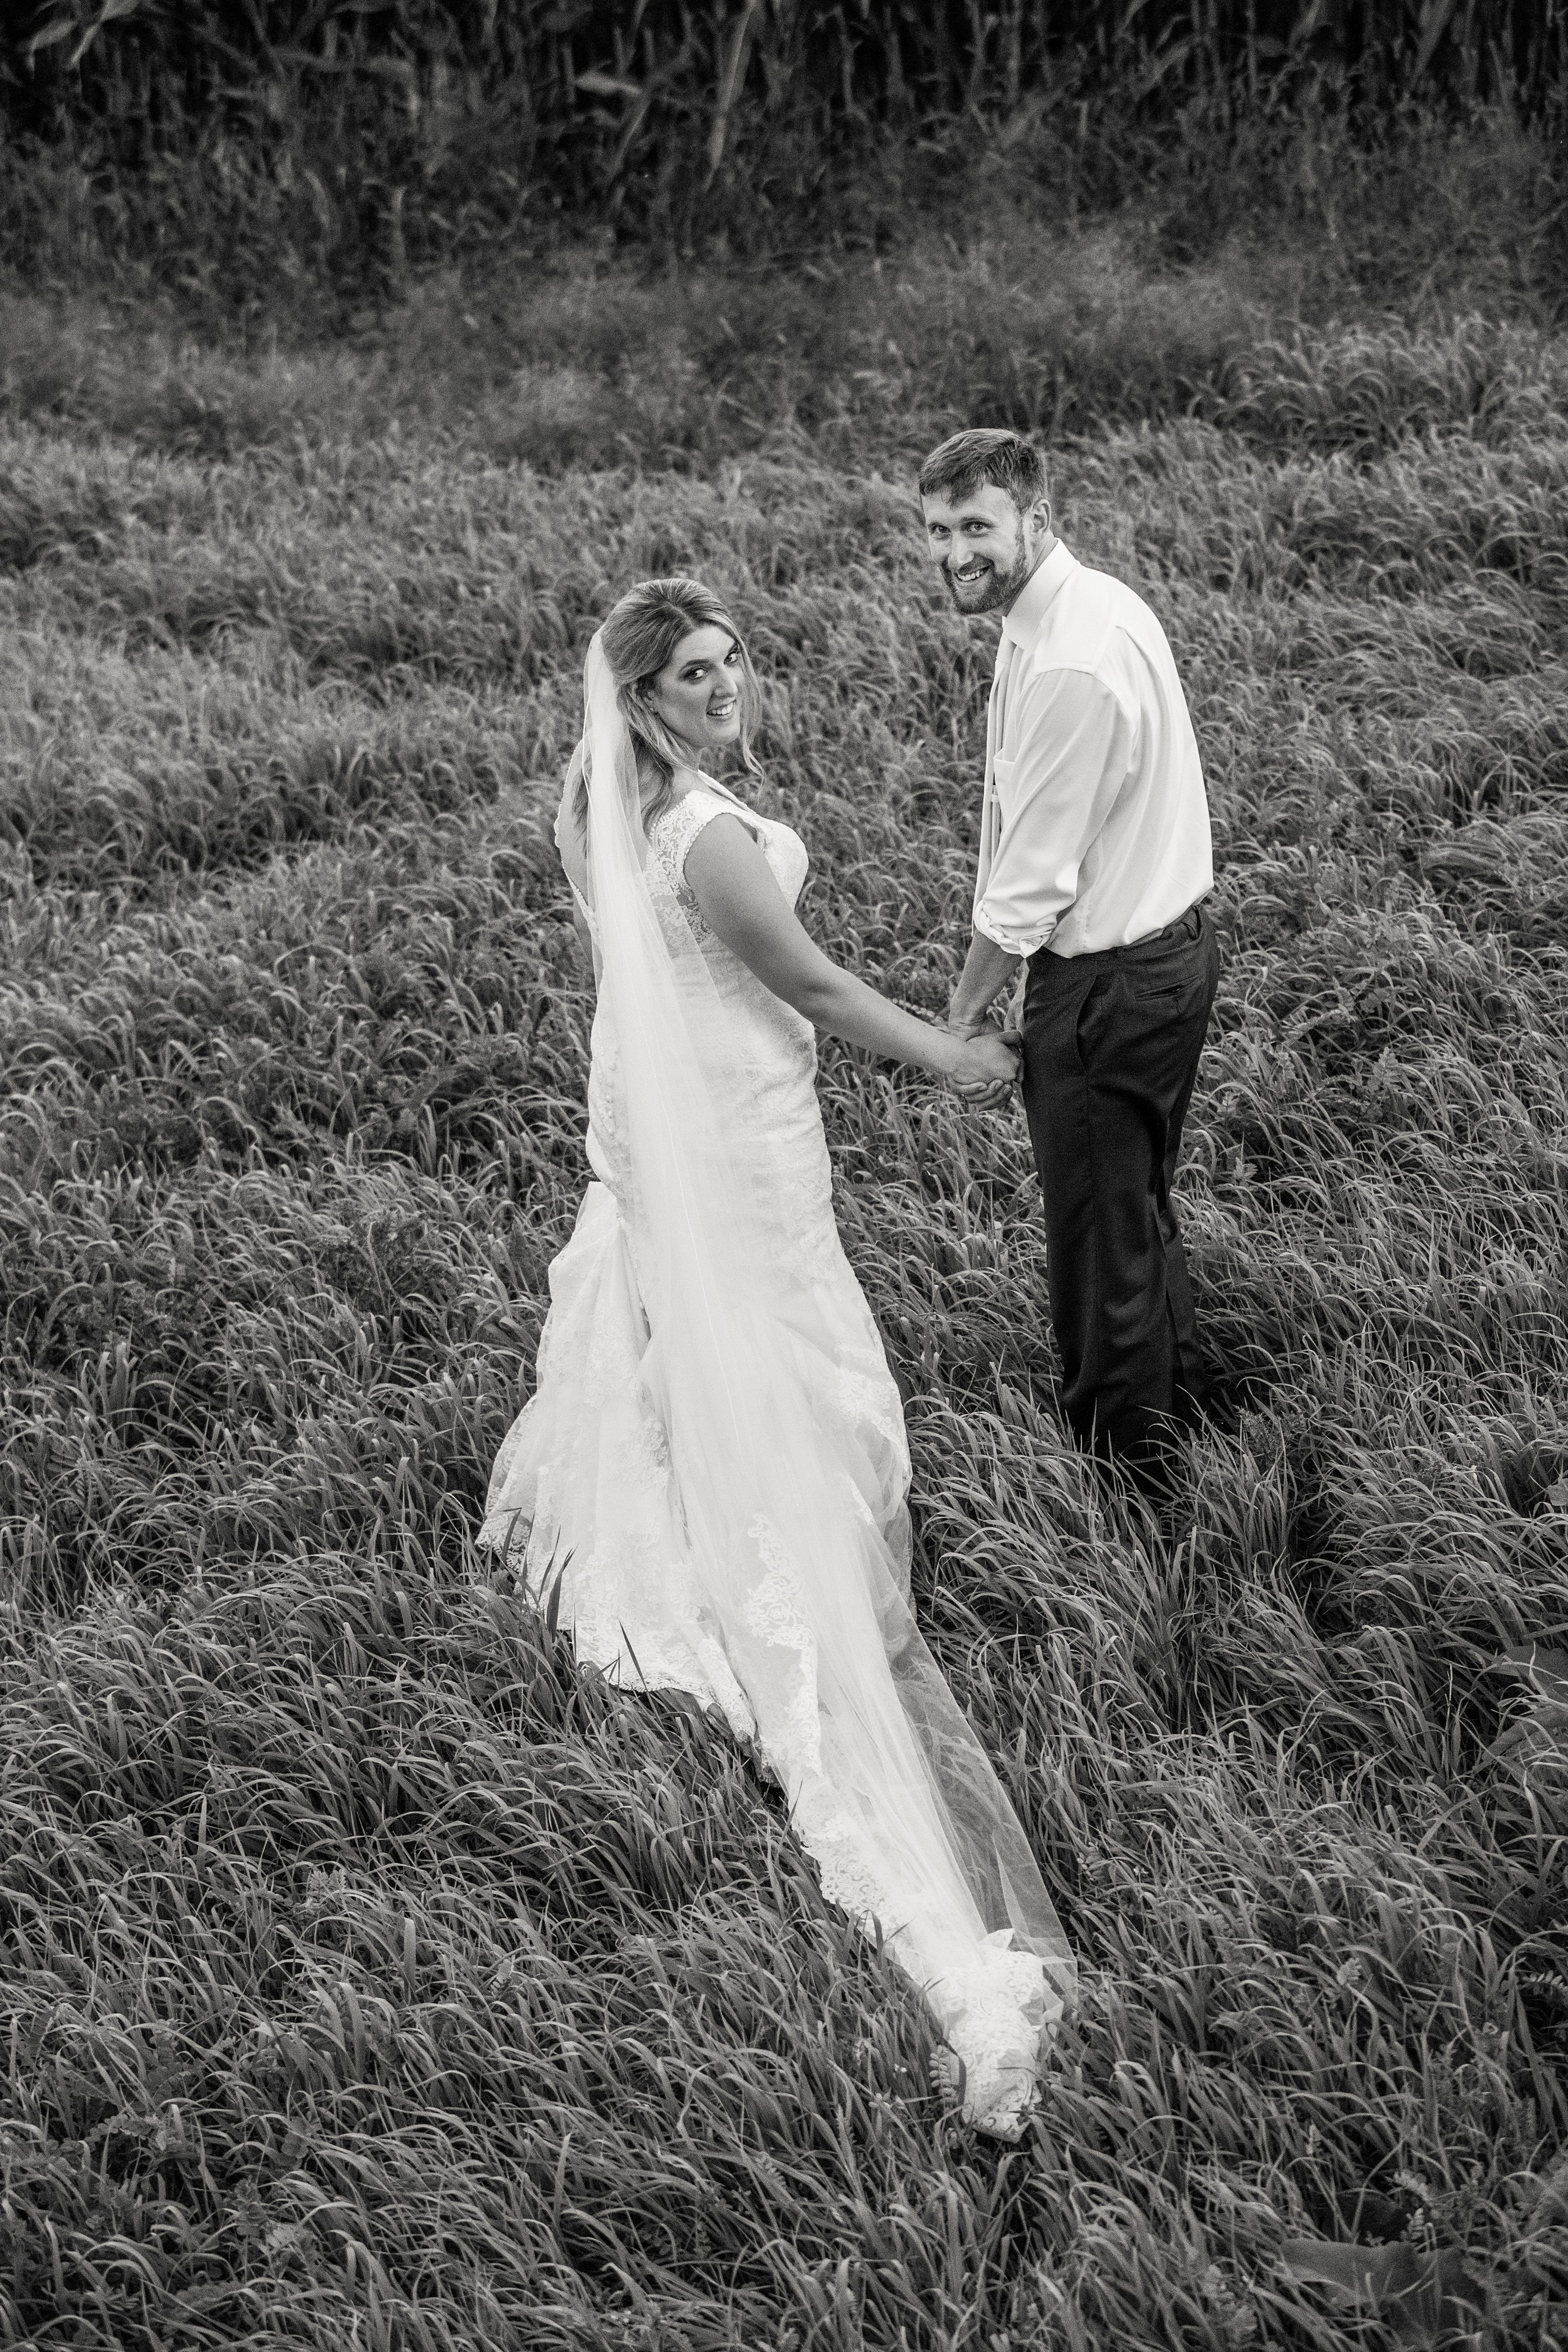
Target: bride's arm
571	846
732	884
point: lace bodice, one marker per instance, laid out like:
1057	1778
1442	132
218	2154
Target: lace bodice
675	829
773	1128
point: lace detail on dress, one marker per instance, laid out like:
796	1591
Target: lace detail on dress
671	838
677	824
995	2011
774	1609
871	1398
676	828
847	1866
582	1498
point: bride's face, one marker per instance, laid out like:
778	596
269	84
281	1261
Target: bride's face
698	692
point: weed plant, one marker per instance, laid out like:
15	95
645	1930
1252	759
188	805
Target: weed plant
371	1975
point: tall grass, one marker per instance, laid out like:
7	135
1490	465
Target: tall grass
749	61
261	136
372	1975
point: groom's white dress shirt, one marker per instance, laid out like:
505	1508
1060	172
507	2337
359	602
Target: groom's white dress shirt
1095	828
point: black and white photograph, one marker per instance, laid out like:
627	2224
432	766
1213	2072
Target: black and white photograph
784	1175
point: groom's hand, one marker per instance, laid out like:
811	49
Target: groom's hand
995	1072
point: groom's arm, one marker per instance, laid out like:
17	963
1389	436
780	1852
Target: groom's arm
1066	731
987	970
1072	750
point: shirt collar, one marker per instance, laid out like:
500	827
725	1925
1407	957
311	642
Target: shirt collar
1023	623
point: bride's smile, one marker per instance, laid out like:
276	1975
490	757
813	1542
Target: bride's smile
698	692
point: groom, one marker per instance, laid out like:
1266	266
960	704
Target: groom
1095	857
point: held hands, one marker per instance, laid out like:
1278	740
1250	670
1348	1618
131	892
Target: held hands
989	1067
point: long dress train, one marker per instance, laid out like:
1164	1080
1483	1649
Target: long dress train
820	1663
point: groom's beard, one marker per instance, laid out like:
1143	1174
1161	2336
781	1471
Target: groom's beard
991	588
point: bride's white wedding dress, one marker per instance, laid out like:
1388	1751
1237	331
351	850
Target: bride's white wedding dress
801	1635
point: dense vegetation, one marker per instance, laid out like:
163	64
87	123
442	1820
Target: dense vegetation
369	1975
255	139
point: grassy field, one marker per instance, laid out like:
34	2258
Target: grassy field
372	1978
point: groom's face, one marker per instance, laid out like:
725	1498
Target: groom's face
984	547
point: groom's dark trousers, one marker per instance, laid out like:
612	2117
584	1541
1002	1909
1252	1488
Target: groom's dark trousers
1111	1051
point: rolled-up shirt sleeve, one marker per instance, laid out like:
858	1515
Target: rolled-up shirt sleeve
1075	746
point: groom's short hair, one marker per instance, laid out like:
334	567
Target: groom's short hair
986	454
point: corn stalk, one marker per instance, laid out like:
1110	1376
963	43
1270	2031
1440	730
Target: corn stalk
594	100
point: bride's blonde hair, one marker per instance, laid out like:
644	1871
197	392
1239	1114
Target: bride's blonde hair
640	636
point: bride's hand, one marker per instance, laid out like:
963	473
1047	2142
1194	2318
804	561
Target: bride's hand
987	1071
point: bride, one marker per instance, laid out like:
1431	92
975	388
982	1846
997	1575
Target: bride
710	1478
